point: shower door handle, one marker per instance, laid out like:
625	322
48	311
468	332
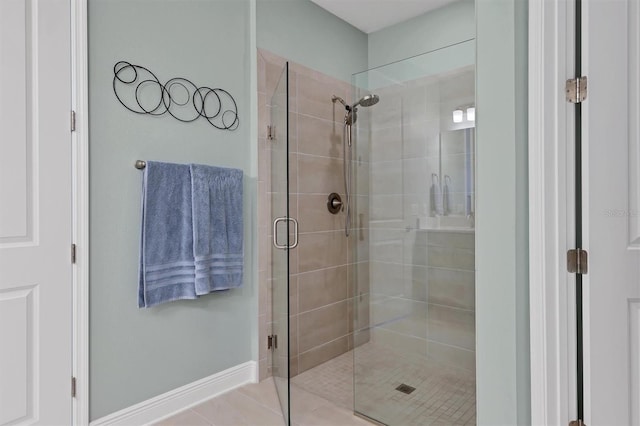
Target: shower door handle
275	232
295	233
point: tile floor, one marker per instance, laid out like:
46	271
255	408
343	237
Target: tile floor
258	405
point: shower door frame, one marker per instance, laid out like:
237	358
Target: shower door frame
280	284
80	177
551	214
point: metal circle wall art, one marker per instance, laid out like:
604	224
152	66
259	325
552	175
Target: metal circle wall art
140	91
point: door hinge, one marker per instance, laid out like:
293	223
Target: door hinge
576	90
577	261
576	423
73	387
73	253
271	132
73	121
272	342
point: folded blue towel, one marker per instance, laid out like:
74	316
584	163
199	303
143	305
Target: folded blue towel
167	267
217	227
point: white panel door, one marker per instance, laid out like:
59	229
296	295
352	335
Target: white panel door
35	212
612	212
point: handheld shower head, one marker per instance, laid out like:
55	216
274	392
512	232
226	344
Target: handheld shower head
349	119
367	101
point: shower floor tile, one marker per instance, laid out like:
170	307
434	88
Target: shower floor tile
444	395
332	380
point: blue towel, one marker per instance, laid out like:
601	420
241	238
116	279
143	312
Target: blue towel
167	268
217	227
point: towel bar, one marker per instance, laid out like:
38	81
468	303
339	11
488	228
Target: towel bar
140	164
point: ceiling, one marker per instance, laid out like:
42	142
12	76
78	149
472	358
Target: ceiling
372	15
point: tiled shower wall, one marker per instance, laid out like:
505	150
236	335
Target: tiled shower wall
321	296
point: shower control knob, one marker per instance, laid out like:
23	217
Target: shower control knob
334	203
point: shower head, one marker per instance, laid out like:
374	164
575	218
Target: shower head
351	116
367	101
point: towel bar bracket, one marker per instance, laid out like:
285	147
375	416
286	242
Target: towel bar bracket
272	341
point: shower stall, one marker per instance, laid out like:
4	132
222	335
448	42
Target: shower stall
370	237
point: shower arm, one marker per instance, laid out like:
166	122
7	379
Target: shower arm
335	99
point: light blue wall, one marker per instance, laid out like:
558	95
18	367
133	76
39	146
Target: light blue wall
303	32
502	230
523	360
137	354
436	62
442	27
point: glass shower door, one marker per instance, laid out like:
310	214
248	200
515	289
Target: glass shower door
414	350
281	240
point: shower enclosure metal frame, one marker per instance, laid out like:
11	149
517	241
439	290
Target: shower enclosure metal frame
280	215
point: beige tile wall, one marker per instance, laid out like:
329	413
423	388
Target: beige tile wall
321	267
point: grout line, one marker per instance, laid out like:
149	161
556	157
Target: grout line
345	300
209	421
451	346
258	402
430	340
452	307
303	154
330	231
373	260
396	298
323	269
443	268
325	344
340	122
388	297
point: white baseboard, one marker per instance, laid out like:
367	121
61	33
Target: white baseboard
172	402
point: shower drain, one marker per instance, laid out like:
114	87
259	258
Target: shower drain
404	388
